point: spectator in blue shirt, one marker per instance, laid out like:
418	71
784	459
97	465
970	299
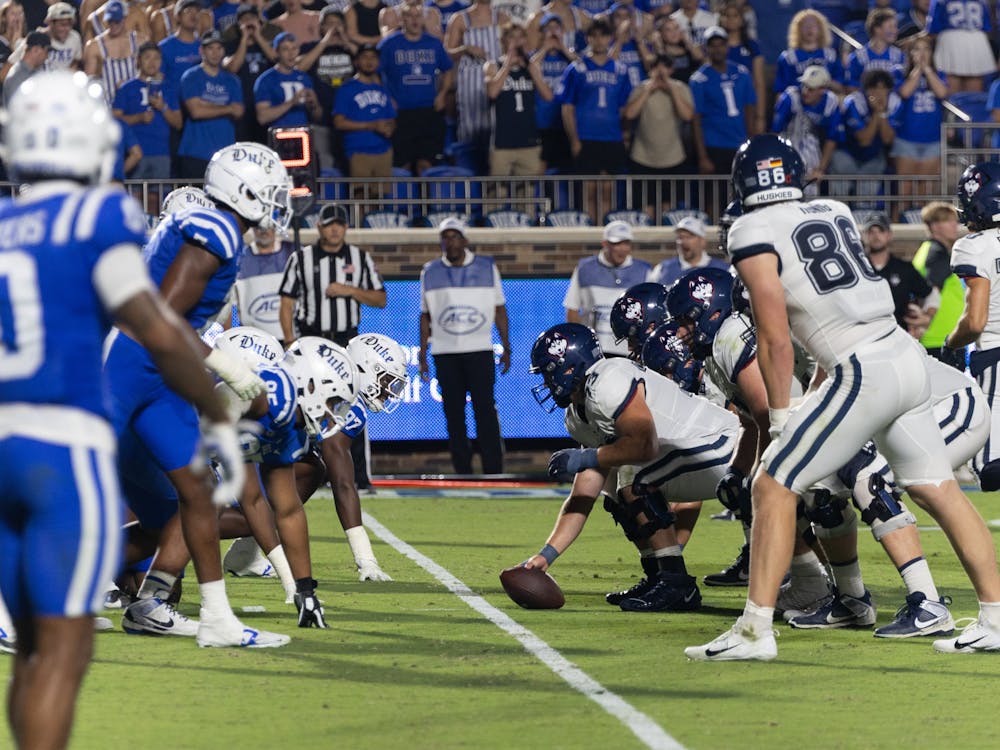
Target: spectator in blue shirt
629	48
743	50
809	116
871	118
724	102
149	105
418	73
181	50
364	112
213	99
594	91
917	148
129	153
881	50
809	43
248	54
553	57
283	95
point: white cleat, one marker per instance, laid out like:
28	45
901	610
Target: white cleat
736	644
368	570
229	632
103	625
978	636
154	616
246	560
801	595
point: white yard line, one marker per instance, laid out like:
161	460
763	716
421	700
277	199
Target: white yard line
642	726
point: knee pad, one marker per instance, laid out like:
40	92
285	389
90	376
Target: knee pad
881	508
830	516
657	512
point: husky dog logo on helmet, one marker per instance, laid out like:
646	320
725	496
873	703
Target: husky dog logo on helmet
702	290
971	187
633	309
557	347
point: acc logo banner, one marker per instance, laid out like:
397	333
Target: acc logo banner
264	309
460	320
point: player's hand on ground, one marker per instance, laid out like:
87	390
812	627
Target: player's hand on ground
536	561
311	613
369	570
221	443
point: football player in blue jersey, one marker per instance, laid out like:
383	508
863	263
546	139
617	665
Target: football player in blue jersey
69	250
192	256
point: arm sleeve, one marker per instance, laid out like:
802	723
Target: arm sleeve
119	275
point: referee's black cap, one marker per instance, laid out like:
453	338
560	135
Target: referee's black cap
332	212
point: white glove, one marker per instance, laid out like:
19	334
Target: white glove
368	570
778	419
237	374
220	442
235	406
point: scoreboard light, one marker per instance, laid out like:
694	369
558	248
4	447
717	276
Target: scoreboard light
295	150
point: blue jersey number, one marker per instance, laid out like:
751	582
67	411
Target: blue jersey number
22	335
833	255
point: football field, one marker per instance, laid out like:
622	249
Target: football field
441	658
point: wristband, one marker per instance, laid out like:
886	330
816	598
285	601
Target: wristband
549	553
777	418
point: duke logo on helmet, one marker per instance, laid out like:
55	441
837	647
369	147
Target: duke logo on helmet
381	364
251	180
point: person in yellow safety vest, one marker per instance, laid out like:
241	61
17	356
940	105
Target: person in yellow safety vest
933	261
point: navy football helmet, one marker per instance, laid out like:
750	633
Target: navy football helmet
767	169
666	353
636	313
702	297
562	355
731	213
979	196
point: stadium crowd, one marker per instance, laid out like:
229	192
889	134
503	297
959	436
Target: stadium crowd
517	89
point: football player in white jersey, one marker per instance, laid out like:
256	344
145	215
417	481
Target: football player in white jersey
805	270
975	258
667	445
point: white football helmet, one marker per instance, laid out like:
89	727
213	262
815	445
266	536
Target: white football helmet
382	368
58	126
251	180
184	197
252	345
326	381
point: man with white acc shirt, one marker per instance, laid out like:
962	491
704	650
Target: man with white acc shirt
690	253
262	267
461	299
601	279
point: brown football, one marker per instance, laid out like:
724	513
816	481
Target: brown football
532	588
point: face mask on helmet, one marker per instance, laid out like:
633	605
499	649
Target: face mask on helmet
562	355
636	313
732	212
666	353
326	383
58	126
702	298
381	366
252	345
251	180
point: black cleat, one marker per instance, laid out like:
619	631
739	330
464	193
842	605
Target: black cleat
737	574
673	592
617	597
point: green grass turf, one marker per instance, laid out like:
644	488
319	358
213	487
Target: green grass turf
409	665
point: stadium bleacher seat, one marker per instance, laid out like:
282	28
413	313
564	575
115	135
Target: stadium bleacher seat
332	191
671	218
385	220
508	219
912	216
434	218
449	196
568	219
972	103
632	218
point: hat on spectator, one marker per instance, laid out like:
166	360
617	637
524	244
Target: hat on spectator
284	36
692	224
715	32
211	37
114	11
879	220
183	4
549	18
332	212
60	12
815	77
247	9
38	39
617	231
452	223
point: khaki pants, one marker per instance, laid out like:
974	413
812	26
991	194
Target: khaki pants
371	165
516	161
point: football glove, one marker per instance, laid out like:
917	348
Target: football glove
221	444
236	373
954	357
567	463
368	570
311	613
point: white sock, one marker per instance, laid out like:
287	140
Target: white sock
157	583
758	620
674	551
990	612
847	577
361	546
807	565
280	564
213	599
916	575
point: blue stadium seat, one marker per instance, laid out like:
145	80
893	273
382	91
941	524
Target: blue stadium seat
449	196
671	218
508	219
568	219
404	191
557	191
632	218
434	218
973	103
385	220
332	191
912	216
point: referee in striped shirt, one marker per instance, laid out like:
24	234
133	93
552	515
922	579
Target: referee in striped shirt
322	291
325	284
